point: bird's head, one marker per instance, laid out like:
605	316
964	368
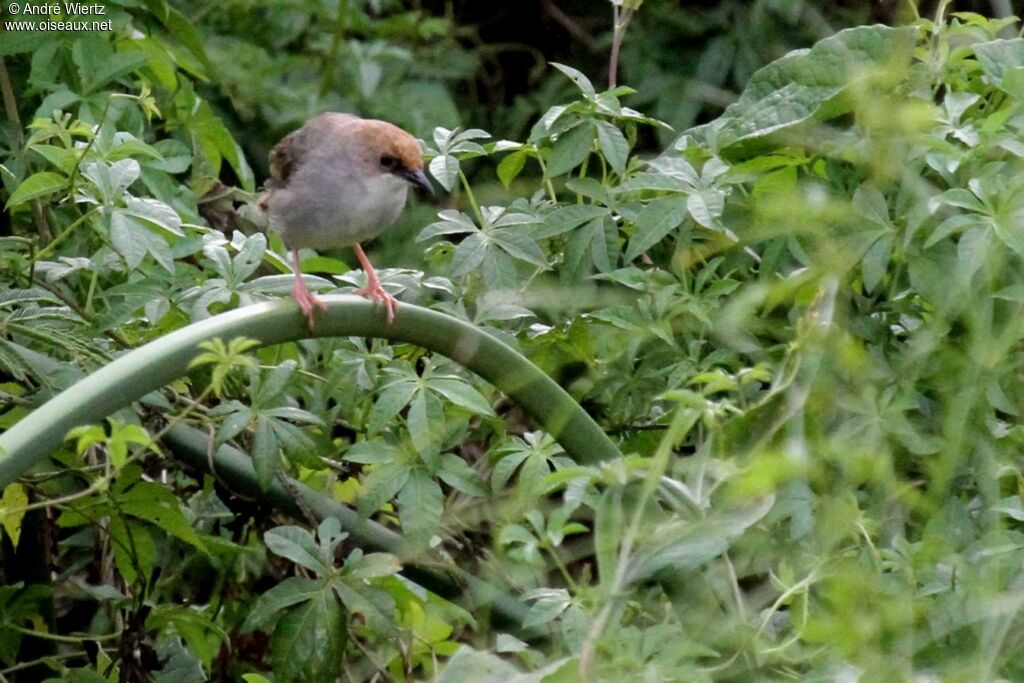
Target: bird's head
395	152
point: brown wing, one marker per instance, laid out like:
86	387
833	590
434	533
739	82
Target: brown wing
282	159
287	155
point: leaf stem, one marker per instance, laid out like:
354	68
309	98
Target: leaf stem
472	198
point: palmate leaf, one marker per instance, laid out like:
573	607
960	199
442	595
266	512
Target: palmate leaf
308	641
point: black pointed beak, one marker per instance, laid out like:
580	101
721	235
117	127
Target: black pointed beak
418	179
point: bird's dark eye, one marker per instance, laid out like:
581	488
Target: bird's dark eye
389	162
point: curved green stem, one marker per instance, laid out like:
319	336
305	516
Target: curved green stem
152	366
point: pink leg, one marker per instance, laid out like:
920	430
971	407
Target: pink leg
306	299
373	289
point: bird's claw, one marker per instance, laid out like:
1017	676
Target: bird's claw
308	302
375	292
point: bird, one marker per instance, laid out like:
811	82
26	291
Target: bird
340	180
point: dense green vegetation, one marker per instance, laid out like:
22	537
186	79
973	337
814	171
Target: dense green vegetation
800	321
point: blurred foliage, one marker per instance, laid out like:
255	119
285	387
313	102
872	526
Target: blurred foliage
800	320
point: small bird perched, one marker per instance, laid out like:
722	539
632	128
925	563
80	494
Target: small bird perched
340	180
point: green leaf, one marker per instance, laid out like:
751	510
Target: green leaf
309	639
155	504
420	504
371	452
469	254
132	240
387	406
296	544
614	145
372	566
291	591
462	394
706	207
511	166
35	186
11	514
375	606
548	604
577	77
156	213
446	169
457	473
999	57
565	218
265	454
657	220
518	246
135	551
570	150
381	485
876	262
608	529
805	84
689	546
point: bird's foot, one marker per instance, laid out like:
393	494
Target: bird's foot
307	301
375	292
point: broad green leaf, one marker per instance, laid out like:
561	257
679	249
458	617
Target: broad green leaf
372	566
548	604
391	401
11	514
445	169
156	213
876	262
309	639
265	453
371	452
608	529
36	186
577	77
420	504
518	245
1011	233
565	218
614	145
805	84
381	485
480	667
462	394
469	254
457	473
998	57
685	547
291	591
159	506
657	220
296	544
570	150
375	606
511	166
706	206
135	550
